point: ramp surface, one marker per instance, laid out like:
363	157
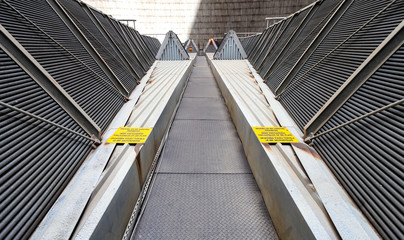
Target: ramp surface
204	188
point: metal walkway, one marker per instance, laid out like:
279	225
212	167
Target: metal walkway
203	187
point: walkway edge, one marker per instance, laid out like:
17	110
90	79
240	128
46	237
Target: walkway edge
293	210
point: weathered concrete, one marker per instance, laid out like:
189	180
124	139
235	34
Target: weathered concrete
198	19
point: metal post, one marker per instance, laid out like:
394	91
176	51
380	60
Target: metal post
390	45
127	22
24	59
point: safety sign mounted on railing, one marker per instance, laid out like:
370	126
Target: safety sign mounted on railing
274	135
130	135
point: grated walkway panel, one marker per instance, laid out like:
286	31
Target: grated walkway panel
204	188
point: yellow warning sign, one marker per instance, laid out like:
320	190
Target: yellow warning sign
130	135
274	135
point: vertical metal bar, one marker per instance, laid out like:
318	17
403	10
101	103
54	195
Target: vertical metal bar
24	59
314	44
389	46
87	45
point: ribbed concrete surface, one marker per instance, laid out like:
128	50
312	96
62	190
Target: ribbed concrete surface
204	188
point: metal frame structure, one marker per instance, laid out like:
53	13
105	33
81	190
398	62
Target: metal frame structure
392	42
127	22
314	44
312	8
108	36
189	42
65	119
230	48
365	61
171	48
208	43
90	49
45	80
267	19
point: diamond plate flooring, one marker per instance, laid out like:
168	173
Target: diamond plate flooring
203	187
199	156
205	206
201	89
202	108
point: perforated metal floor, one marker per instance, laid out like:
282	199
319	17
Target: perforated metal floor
203	187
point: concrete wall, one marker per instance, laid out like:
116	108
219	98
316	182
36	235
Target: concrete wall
198	19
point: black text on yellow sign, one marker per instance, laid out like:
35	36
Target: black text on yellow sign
274	135
130	135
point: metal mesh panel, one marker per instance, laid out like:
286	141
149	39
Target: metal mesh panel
274	36
129	41
283	40
116	37
262	39
249	43
153	44
98	98
37	159
100	43
142	45
326	70
306	34
367	155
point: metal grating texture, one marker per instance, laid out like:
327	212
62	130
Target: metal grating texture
274	35
143	47
100	42
367	155
129	38
116	36
172	49
58	31
153	43
201	156
284	38
307	32
203	187
202	107
248	43
355	36
218	206
37	159
252	55
230	48
51	47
